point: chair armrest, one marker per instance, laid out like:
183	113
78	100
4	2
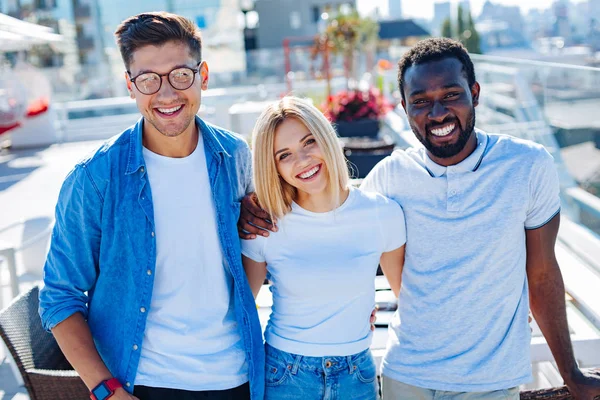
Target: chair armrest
70	373
35	238
10	226
560	393
55	385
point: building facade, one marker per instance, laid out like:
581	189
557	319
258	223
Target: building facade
395	9
279	19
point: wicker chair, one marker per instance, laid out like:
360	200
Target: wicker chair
46	372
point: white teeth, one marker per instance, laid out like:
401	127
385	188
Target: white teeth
443	131
309	173
169	110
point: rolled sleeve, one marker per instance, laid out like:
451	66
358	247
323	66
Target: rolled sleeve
71	267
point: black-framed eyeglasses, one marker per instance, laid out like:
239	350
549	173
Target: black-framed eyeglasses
181	78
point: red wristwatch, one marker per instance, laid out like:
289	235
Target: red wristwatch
105	389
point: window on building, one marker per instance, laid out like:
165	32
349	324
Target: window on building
295	20
316	14
252	19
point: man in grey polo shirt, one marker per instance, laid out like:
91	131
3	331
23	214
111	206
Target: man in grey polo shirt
482	214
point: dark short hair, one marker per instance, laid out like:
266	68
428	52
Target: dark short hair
434	49
156	28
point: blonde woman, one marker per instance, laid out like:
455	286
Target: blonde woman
323	259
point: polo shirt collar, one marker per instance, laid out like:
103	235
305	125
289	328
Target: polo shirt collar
469	164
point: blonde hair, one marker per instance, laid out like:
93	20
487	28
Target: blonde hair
274	194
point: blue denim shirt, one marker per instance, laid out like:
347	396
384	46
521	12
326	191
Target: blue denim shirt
102	258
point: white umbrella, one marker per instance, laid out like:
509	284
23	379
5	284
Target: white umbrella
13	42
18	35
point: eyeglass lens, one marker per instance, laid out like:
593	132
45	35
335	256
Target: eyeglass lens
180	79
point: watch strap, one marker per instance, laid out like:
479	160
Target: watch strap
111	384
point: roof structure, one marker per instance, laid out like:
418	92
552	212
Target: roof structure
16	35
400	29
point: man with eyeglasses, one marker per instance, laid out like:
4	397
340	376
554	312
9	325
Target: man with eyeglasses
144	289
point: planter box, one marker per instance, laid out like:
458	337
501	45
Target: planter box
363	153
362	163
366	144
361	127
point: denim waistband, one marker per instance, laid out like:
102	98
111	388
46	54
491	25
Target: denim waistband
326	363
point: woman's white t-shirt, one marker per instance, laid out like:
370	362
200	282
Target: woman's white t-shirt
322	268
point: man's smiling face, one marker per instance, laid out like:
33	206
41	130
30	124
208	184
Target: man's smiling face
168	111
440	107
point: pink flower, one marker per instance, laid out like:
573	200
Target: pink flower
355	104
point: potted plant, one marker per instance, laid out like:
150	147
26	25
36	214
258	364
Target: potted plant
345	35
356	112
348	34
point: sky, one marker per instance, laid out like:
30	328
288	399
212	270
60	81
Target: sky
424	8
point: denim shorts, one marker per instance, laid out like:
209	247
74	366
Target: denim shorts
295	377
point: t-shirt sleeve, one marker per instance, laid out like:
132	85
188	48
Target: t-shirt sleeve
377	180
254	249
544	192
392	224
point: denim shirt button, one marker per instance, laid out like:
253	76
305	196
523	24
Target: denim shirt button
142	169
135	347
152	234
149	272
143	309
127	384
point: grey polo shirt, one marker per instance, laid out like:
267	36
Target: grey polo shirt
464	297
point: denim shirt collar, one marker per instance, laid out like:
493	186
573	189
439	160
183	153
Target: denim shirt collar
135	160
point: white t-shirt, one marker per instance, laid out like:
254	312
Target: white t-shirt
322	267
191	341
462	318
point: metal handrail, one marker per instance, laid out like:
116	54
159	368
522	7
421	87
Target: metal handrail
519	61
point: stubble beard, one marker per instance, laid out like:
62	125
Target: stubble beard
452	149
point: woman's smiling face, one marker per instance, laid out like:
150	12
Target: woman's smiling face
299	159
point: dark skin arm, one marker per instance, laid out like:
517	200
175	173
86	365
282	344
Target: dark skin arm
547	298
253	218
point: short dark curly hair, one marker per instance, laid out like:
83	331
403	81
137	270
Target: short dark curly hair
434	49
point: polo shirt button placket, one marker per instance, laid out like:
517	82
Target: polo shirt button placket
452	202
